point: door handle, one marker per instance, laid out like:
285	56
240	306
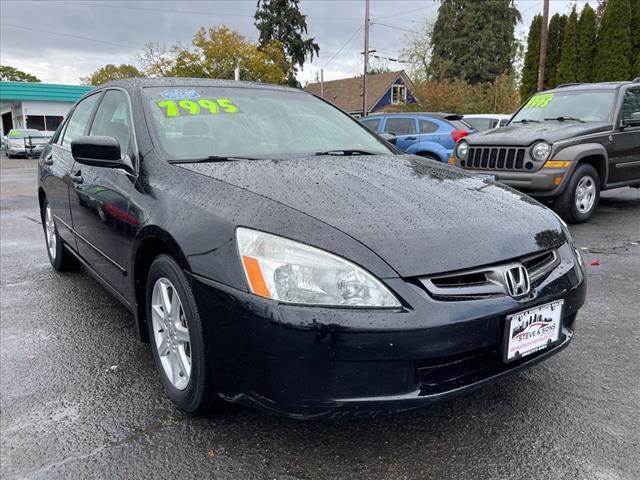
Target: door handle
410	138
77	177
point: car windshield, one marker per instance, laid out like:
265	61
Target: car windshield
198	122
584	105
17	134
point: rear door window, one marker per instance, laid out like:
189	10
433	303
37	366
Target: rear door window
400	126
427	127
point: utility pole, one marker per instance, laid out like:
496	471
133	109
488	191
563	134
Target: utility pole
321	83
366	57
543	45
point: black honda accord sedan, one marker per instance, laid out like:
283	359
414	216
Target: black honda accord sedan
276	253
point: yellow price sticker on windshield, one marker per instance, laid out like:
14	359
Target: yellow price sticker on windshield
539	101
176	108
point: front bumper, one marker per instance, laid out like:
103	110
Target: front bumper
545	183
309	362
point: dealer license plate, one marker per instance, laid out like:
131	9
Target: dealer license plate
532	330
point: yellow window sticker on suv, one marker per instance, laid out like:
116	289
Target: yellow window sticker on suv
176	108
539	101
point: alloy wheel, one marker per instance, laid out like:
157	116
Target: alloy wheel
585	196
171	333
50	232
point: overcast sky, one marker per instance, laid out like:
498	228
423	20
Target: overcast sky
62	40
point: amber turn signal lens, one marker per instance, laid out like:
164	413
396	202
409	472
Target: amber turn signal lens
557	164
452	161
254	274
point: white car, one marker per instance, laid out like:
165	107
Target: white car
15	142
486	121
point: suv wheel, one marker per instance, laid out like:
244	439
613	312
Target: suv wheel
580	199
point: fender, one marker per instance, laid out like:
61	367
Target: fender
430	147
576	153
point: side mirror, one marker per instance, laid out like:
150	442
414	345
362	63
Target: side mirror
389	137
634	120
99	152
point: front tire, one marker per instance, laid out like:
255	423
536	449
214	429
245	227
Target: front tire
61	260
177	336
579	200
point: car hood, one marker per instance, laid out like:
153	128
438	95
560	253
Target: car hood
420	216
523	135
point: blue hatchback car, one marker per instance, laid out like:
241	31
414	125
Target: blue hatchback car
431	135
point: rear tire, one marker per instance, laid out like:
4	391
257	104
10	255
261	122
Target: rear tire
61	259
580	198
177	337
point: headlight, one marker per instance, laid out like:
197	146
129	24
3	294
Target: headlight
540	151
289	271
462	150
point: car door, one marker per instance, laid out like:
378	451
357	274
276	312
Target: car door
103	219
625	152
404	128
428	131
58	162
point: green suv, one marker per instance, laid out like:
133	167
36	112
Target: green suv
564	145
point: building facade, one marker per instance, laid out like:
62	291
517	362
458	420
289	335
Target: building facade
41	106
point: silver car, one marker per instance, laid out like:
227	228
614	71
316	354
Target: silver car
25	141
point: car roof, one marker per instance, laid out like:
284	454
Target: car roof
141	82
486	115
440	115
588	86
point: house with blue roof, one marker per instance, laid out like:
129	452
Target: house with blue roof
36	105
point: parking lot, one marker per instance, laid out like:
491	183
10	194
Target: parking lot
80	396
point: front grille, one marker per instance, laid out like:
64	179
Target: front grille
495	158
488	281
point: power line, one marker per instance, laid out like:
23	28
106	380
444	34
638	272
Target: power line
394	27
409	11
69	35
188	12
348	42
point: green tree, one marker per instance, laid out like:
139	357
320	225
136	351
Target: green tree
474	40
281	21
568	65
635	37
111	72
12	74
554	49
613	49
529	81
217	51
587	30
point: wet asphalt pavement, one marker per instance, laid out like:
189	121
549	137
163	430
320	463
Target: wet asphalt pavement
80	397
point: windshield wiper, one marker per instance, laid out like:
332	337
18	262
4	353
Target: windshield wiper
526	120
211	159
345	152
562	119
